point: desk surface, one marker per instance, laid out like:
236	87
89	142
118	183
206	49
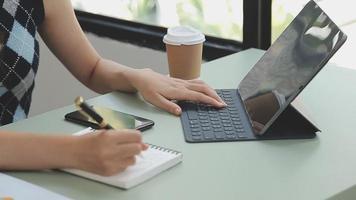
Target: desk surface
293	169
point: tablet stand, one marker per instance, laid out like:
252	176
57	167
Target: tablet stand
291	124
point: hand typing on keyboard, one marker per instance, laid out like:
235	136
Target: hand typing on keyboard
210	123
159	90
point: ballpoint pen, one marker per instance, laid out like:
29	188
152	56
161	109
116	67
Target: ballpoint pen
89	111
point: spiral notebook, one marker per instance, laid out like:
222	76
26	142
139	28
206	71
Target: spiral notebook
150	163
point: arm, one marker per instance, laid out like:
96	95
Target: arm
64	36
20	151
104	152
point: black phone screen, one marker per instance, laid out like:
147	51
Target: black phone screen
118	120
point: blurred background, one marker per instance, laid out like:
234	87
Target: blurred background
130	32
221	18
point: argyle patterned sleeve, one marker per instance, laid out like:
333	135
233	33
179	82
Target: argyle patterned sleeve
19	56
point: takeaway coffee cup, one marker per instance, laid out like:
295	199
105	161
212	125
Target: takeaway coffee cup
184	47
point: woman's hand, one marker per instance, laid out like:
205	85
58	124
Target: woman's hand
158	90
108	152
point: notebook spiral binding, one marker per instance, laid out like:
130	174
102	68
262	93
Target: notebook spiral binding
164	149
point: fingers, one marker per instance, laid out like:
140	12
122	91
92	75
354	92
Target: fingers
198	97
144	146
110	151
125	136
119	166
128	150
197	90
202	88
126	142
128	161
165	104
190	91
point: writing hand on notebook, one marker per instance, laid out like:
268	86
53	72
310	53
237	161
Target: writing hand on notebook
106	152
159	90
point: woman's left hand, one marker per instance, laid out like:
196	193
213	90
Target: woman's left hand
159	90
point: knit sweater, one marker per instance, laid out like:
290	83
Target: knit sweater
19	56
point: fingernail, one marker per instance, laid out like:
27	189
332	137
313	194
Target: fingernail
178	111
144	146
223	104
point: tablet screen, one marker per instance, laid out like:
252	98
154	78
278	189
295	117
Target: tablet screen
289	65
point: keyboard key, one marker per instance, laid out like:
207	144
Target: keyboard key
231	136
195	129
196	134
227	125
213	115
215	122
196	137
192	114
206	128
228	128
203	117
222	113
202	108
241	135
194	126
205	124
208	135
216	126
218	130
230	132
219	135
238	126
193	122
234	116
214	119
225	92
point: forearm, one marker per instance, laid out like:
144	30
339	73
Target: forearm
109	76
26	151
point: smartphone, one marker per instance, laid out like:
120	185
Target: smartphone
118	120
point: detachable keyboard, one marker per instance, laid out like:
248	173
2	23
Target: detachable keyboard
203	123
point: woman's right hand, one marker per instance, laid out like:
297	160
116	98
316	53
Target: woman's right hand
108	152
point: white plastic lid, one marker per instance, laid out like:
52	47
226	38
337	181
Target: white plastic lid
183	35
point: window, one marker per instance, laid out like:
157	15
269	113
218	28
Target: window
218	18
230	25
342	12
284	12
